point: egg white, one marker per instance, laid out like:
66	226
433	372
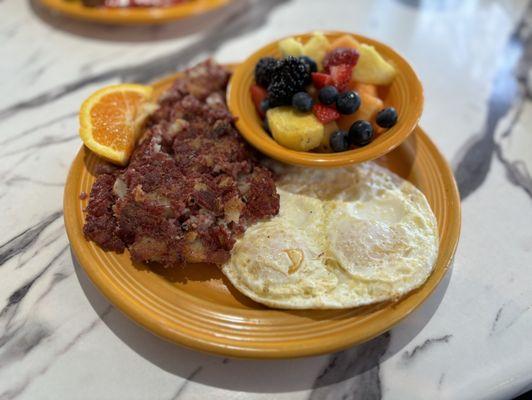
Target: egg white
343	238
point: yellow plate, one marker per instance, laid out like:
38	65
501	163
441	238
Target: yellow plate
405	94
131	16
197	307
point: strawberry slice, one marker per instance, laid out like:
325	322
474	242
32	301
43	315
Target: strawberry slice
257	95
325	114
320	79
340	56
341	76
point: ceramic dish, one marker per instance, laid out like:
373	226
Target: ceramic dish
197	307
131	16
405	94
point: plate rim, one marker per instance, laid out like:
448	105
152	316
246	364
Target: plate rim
153	323
130	16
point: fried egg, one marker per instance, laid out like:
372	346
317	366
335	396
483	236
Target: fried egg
343	238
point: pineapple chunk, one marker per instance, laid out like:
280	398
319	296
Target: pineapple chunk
316	47
372	68
291	47
293	129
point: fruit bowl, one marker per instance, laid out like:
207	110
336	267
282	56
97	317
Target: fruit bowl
405	94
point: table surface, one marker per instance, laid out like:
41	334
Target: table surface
60	339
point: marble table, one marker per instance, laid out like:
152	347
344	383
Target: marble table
60	339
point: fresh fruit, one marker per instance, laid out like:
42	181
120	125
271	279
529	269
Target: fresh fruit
319	79
360	133
258	95
386	118
266	126
313	92
347	41
372	68
310	62
302	102
369	106
264	71
111	118
340	56
328	95
290	76
325	114
339	142
293	129
364	88
341	76
347	102
325	145
264	106
291	47
316	47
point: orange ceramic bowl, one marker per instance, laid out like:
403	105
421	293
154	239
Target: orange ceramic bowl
405	94
133	15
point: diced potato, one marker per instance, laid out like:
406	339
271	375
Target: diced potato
372	68
316	47
369	107
291	47
329	129
364	88
295	130
346	41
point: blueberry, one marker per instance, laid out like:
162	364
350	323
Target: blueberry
302	102
338	141
347	103
328	95
310	62
265	105
387	117
360	133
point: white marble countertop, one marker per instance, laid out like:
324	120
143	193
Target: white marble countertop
60	339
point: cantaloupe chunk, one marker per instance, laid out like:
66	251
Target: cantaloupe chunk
347	41
325	145
364	88
369	107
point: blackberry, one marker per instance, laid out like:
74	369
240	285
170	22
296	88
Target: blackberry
290	76
264	71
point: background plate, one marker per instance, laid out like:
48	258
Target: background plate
132	16
197	307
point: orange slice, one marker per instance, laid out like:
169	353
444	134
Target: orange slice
111	118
